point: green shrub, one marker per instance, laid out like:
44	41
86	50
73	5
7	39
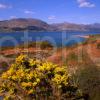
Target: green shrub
88	80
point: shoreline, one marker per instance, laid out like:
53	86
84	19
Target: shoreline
83	36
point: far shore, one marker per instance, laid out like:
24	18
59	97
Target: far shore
83	36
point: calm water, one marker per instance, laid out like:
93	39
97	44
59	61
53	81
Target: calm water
56	38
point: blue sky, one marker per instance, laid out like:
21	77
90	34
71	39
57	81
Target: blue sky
52	11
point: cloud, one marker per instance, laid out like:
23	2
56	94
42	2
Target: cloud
4	6
12	17
29	12
85	3
52	17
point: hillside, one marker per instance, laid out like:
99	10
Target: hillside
23	24
82	61
89	51
76	27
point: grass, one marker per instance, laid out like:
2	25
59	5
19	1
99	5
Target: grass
88	80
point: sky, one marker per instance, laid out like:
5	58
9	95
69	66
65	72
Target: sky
52	11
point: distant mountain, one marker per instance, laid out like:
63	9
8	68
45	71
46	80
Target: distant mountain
69	27
76	27
22	24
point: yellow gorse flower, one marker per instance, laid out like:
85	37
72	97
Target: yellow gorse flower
24	84
21	58
30	74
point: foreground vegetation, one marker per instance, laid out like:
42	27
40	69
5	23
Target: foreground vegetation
29	79
82	78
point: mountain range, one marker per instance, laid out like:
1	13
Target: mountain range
23	24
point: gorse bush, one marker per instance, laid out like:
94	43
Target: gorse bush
29	79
